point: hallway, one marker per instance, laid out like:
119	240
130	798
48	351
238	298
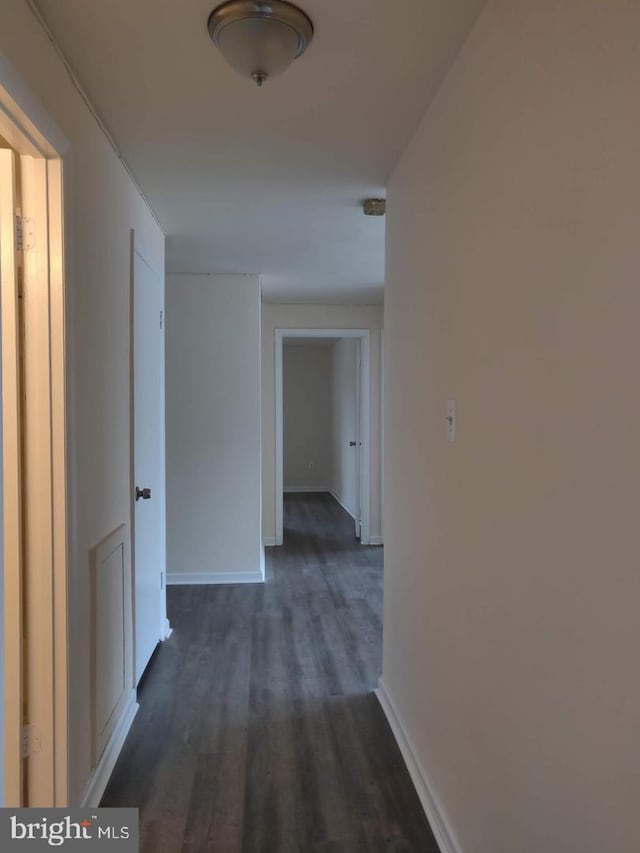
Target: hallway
258	731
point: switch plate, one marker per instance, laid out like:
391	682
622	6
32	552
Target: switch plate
451	420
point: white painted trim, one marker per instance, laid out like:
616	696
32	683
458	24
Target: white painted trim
205	578
269	541
279	432
40	145
365	421
433	809
376	540
99	779
22	113
12	522
307	490
168	630
334	495
365	438
102	729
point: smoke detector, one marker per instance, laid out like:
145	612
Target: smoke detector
374	206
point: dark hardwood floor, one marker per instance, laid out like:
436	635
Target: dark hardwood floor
258	731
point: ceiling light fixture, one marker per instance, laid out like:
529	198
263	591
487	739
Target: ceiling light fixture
260	39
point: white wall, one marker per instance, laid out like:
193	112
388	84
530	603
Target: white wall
102	205
307	383
213	426
302	316
344	422
512	582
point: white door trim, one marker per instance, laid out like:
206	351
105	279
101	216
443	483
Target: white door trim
39	145
12	643
365	421
357	515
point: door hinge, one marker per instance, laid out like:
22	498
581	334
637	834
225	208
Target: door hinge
162	319
161	580
31	743
25	232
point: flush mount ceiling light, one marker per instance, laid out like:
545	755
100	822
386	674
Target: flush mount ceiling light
260	39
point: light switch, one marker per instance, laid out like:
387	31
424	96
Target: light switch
451	420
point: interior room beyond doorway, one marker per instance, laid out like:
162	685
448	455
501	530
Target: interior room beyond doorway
322	430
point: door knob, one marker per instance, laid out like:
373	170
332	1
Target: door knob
352	444
145	494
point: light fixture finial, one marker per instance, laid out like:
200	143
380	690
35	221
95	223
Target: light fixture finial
260	39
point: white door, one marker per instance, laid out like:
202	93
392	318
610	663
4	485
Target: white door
148	407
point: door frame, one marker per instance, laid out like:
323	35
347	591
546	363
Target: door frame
138	249
365	422
36	517
358	439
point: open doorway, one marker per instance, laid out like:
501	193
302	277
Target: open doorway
33	458
322	421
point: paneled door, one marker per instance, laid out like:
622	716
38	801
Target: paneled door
148	460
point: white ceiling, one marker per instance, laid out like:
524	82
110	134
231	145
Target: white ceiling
270	180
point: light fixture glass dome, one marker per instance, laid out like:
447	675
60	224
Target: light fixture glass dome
259	39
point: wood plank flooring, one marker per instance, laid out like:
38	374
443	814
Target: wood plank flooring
258	731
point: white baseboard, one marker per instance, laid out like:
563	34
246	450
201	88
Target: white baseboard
430	803
269	541
99	778
202	578
376	540
305	489
343	505
168	630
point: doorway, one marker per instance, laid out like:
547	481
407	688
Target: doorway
34	459
325	419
